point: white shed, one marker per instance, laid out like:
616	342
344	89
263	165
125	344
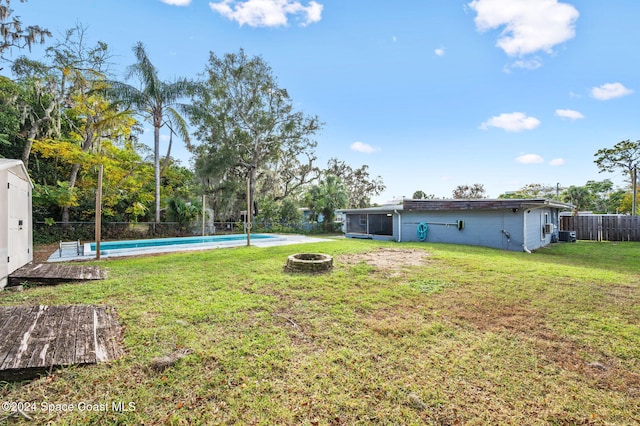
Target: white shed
16	224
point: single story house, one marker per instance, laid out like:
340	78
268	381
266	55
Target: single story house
16	226
509	224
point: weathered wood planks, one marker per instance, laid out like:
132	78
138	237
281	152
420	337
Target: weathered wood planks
604	227
38	338
50	273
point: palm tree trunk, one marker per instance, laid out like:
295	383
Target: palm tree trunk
156	168
165	164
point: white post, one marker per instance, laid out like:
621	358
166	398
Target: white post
204	213
248	218
99	211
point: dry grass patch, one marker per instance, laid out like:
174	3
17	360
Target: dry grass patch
387	258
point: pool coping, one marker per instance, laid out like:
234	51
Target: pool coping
281	239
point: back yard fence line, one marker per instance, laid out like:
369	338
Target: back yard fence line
603	227
85	231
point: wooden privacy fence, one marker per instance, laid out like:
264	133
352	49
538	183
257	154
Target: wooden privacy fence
603	227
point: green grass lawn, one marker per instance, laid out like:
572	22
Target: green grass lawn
435	334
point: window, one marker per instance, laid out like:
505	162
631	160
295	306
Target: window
545	226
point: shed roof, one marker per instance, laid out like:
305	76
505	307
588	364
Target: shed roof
8	163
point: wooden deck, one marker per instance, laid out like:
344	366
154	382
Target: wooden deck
53	273
36	339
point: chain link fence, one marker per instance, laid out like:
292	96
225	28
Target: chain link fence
44	233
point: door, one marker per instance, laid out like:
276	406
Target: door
18	243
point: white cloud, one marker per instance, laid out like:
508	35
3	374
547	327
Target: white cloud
530	159
527	64
439	51
569	113
511	122
529	26
363	147
610	91
557	162
394	39
177	2
268	13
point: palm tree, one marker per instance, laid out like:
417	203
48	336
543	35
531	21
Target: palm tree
329	195
579	196
157	102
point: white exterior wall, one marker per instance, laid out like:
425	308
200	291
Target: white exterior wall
16	226
534	222
4	222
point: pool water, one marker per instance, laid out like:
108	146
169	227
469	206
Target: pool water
168	245
163	242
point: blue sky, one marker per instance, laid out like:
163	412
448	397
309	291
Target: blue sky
429	94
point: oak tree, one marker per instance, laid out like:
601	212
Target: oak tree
249	128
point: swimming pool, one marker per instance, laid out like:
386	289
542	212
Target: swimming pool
168	245
171	244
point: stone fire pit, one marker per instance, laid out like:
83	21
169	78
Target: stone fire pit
309	262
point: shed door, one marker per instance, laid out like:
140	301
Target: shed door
18	235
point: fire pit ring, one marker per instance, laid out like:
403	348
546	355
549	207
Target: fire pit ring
309	262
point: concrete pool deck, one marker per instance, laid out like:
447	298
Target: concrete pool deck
280	240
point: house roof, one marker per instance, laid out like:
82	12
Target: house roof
483	204
464	204
7	163
373	210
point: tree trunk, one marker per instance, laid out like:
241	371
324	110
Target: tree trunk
66	210
33	132
73	177
252	190
165	164
156	168
27	147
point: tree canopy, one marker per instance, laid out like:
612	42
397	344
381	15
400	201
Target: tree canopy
360	186
159	103
469	191
249	129
14	33
326	197
65	114
624	155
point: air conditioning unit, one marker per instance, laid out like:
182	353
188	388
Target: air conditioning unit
548	228
568	236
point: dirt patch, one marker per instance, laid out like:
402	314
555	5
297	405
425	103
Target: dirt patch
42	252
387	258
